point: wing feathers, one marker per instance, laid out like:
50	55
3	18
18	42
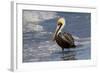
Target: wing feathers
69	37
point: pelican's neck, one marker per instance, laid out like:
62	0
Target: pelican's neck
60	30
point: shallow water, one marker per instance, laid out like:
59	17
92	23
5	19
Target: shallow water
38	45
36	50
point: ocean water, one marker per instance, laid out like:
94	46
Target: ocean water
38	29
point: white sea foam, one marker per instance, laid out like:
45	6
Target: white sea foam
32	27
31	19
42	34
82	41
36	16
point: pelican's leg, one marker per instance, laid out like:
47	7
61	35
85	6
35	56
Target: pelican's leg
63	52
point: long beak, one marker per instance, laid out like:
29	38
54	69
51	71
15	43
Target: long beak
56	32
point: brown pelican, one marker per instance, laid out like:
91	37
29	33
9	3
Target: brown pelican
64	40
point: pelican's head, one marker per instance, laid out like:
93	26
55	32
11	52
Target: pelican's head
61	21
60	25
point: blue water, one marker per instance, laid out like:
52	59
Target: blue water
38	45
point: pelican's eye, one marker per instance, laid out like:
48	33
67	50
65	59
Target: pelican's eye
59	24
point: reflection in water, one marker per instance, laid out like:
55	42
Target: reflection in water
69	55
63	56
